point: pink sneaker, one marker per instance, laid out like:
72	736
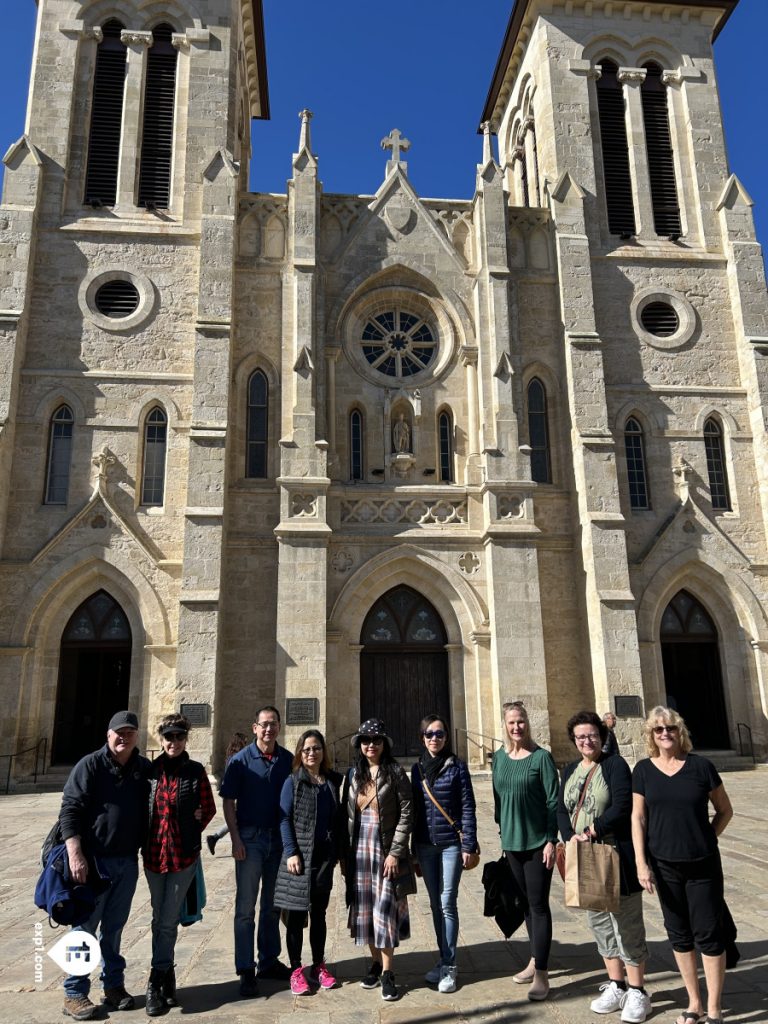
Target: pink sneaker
323	977
299	984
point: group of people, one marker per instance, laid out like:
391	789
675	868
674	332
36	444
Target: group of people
291	818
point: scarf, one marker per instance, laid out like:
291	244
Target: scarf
432	766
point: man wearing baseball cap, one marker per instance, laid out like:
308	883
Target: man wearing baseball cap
104	813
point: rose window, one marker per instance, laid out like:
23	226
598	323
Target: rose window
398	344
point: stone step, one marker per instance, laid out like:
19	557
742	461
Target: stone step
728	760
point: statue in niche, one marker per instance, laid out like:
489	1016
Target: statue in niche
401	436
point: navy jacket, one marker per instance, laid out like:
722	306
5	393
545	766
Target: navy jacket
105	803
453	791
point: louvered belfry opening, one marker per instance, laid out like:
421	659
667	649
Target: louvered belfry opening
157	132
613	138
106	118
661	161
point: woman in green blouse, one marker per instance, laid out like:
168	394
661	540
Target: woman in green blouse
525	799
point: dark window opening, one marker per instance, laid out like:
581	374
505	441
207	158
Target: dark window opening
661	161
615	151
718	475
256	432
356	445
660	319
634	446
106	118
117	299
445	439
157	132
538	433
155	444
59	456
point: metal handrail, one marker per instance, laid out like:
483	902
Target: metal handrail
42	742
739	727
470	734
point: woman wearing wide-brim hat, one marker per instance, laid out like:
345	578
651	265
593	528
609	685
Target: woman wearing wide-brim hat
378	802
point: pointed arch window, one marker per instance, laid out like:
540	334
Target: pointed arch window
106	118
257	426
661	160
155	445
157	130
59	456
356	436
716	468
615	151
445	446
538	433
634	446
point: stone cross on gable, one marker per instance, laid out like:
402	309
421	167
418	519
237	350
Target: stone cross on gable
396	143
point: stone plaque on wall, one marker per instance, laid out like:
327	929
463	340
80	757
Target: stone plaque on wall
198	714
628	707
302	711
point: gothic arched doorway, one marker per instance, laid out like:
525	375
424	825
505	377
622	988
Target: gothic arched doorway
94	677
403	666
692	673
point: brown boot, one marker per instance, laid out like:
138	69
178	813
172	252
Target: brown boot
78	1007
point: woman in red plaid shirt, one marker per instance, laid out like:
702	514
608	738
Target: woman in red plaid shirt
180	807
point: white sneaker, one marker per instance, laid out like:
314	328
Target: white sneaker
637	1006
612	998
447	981
433	977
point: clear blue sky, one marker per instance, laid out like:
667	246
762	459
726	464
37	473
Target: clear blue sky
423	66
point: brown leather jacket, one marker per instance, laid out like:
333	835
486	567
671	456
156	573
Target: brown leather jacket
395	812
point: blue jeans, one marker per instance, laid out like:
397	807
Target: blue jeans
263	849
168	892
441	867
107	922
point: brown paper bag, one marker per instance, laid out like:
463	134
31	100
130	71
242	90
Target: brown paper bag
592	876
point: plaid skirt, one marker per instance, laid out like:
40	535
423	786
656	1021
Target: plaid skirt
376	916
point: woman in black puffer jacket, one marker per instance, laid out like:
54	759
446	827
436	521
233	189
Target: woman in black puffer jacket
309	823
443	847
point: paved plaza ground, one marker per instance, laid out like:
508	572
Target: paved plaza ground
486	995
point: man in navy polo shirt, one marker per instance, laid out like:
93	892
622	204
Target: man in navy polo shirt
251	795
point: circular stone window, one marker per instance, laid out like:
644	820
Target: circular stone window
116	299
398	343
663	319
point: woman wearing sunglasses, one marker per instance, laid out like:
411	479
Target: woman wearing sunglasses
595	805
180	807
676	852
379	806
445	838
309	821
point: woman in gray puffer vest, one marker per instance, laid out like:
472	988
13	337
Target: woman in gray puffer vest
309	826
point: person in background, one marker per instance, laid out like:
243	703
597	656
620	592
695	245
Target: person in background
600	786
103	813
379	810
180	806
676	852
525	802
309	827
610	743
251	791
444	838
237	741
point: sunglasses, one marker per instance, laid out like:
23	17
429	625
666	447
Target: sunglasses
312	750
434	734
371	741
174	737
659	729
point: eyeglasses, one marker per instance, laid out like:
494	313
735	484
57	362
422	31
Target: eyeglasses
312	750
267	725
591	736
371	741
434	734
659	729
174	737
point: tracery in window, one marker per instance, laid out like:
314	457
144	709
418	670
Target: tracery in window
398	343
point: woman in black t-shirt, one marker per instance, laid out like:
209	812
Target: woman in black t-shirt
676	851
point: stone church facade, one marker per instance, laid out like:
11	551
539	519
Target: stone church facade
358	454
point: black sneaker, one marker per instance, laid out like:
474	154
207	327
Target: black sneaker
249	987
388	988
212	839
373	977
276	972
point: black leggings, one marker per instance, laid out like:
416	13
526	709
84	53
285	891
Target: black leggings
294	928
534	879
